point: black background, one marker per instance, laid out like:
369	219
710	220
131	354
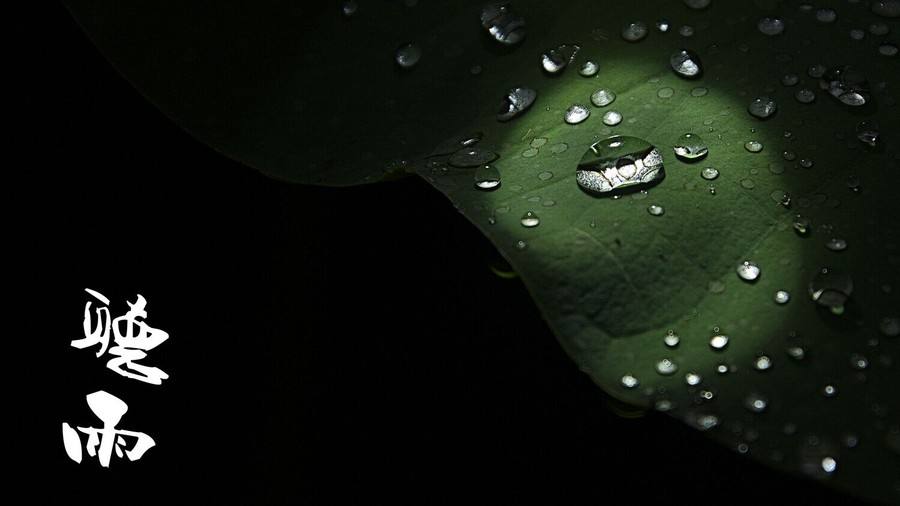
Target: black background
327	345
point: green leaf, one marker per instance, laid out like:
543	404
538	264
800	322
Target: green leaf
313	97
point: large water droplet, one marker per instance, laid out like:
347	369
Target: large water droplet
847	84
709	173
771	26
408	55
635	31
553	61
686	64
612	118
690	147
530	220
782	297
487	177
718	341
504	25
666	367
671	339
656	210
887	49
603	97
692	379
619	162
472	157
762	363
589	69
576	114
762	107
748	271
515	102
831	288
629	381
753	146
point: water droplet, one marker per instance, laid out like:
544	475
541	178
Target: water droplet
619	162
806	163
753	146
867	131
603	97
502	23
762	363
722	369
747	184
782	297
762	107
472	157
781	197
857	34
686	31
886	8
629	381
553	61
662	25
831	288
545	176
829	465
666	367
887	49
665	92
589	69
706	422
771	26
790	79
748	271
718	341
656	210
635	31
520	245
663	405
561	147
709	173
671	339
836	244
816	71
538	142
699	91
829	391
805	96
349	7
847	84
826	15
890	326
796	352
612	118
530	220
692	379
756	403
515	102
690	147
487	177
576	114
789	156
858	361
530	153
686	64
408	55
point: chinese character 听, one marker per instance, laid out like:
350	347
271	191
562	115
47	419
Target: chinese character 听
132	338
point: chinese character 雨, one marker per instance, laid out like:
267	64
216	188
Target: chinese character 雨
109	409
132	336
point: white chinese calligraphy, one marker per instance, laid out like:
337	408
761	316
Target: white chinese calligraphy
109	409
132	338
